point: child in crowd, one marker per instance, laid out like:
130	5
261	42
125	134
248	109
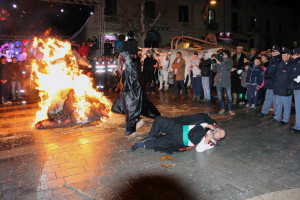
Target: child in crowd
254	80
243	95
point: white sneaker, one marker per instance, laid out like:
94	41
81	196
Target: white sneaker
247	106
140	124
253	107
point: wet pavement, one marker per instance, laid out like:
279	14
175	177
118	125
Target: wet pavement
93	161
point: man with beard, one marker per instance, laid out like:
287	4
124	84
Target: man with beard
182	133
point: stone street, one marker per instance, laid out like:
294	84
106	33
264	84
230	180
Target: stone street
93	161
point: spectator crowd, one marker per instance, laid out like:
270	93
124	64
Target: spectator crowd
268	78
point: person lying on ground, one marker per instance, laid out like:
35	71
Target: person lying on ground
182	133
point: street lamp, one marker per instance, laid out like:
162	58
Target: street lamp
207	3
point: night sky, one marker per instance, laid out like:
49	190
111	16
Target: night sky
34	17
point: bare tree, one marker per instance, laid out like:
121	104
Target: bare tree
138	20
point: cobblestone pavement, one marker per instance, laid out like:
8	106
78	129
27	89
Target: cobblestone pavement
94	162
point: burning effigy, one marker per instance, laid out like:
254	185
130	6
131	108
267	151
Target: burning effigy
67	95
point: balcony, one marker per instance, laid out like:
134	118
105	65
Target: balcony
111	19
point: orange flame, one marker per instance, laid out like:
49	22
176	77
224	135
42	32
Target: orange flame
56	74
47	32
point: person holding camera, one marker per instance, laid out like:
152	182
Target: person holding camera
282	88
222	80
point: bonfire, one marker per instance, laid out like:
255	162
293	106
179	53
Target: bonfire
67	95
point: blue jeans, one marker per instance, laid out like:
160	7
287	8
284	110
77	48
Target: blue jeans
196	81
283	103
176	84
269	99
206	88
228	94
297	107
15	86
252	94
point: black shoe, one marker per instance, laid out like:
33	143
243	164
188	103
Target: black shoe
295	131
261	114
273	120
283	123
133	148
147	138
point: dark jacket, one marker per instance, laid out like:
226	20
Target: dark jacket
283	78
255	76
239	64
205	67
270	73
107	49
295	73
15	72
149	69
4	72
222	78
195	135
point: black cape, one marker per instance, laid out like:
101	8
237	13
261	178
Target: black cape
132	101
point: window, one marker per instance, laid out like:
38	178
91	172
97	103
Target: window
211	16
279	27
252	23
268	26
183	13
234	21
150	9
234	3
110	7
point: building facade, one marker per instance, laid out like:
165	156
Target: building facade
255	23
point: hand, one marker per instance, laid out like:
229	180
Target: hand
257	88
211	127
3	81
208	137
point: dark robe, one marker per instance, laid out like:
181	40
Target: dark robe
132	101
236	86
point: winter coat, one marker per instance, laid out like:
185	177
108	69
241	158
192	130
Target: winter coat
295	73
148	69
205	67
15	72
222	78
180	69
4	72
255	76
244	76
239	64
283	78
270	73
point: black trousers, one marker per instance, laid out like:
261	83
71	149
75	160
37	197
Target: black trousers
172	130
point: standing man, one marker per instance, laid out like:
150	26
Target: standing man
196	77
252	55
148	71
4	81
270	75
222	80
238	65
178	67
107	48
295	76
205	66
15	72
282	88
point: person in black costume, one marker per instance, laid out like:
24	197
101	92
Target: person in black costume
132	101
182	133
